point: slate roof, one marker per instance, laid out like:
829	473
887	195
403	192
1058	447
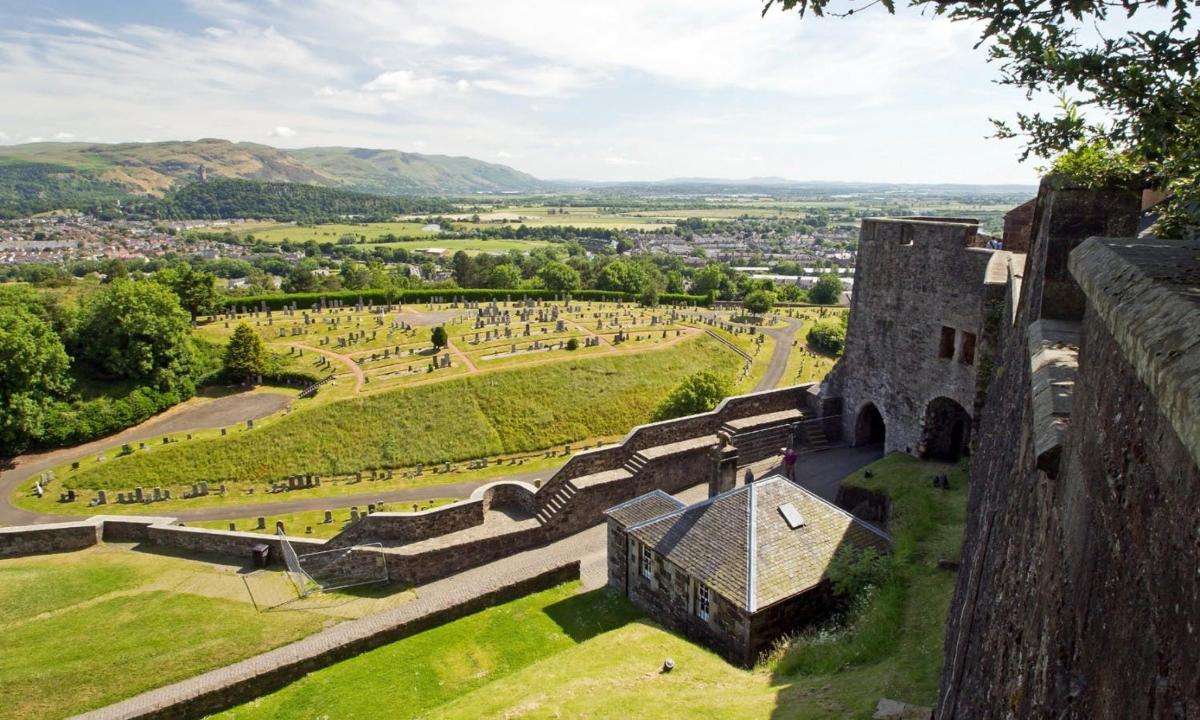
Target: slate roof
740	545
644	507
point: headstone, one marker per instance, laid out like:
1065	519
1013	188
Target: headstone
262	524
101	497
328	516
232	527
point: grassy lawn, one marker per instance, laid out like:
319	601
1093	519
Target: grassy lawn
484	415
411	677
84	629
532	659
806	364
296	523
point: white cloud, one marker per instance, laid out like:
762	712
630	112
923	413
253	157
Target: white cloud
604	89
63	137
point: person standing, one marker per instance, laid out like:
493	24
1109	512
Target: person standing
789	463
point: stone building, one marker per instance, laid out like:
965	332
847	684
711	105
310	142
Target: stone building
736	571
926	300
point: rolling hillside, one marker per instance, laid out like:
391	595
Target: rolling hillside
152	169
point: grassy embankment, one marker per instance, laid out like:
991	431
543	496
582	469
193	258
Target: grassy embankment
530	659
491	414
82	630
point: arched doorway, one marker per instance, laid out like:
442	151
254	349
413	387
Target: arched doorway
947	433
869	428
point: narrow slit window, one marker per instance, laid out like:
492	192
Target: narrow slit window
946	346
703	601
647	559
968	349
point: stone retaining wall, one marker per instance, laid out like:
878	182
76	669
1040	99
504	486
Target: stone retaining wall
42	539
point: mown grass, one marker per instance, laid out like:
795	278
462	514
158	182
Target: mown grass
82	630
410	677
509	661
489	414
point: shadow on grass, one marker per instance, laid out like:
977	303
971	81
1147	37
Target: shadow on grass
588	614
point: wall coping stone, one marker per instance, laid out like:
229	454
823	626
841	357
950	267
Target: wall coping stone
1147	294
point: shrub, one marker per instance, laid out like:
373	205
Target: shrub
573	344
696	394
828	336
853	570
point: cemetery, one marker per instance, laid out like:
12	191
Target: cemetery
515	422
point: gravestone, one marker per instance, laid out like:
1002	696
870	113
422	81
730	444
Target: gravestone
262	524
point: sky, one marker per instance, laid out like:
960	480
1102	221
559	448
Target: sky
610	90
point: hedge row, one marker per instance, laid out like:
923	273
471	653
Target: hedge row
349	297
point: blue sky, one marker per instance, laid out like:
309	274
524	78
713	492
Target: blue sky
612	90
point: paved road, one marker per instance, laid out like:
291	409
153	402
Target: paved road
779	359
219	412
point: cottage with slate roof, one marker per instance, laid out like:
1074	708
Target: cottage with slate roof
736	571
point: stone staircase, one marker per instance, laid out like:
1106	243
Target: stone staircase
635	464
560	499
814	437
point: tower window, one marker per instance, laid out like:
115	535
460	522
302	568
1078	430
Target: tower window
946	346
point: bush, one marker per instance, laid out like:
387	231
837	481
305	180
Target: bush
696	394
1095	165
828	337
853	570
573	344
439	337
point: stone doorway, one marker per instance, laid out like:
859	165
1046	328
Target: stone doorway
947	432
869	428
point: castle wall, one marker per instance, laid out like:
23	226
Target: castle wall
1078	594
915	279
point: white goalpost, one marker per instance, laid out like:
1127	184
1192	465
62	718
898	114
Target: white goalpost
334	569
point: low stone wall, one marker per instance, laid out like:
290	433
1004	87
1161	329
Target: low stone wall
224	542
158	531
243	681
440	562
411	527
865	504
42	539
505	494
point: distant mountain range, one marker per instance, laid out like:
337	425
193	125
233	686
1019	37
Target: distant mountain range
154	168
38	177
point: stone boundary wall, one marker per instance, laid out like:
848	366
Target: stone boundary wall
243	681
159	531
45	539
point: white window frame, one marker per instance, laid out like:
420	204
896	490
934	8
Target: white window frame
647	562
703	602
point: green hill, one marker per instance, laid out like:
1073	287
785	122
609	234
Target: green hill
42	176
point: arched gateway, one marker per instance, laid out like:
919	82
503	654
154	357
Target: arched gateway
947	431
869	428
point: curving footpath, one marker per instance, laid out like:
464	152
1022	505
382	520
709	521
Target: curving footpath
779	359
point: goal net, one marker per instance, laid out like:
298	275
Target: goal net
334	569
